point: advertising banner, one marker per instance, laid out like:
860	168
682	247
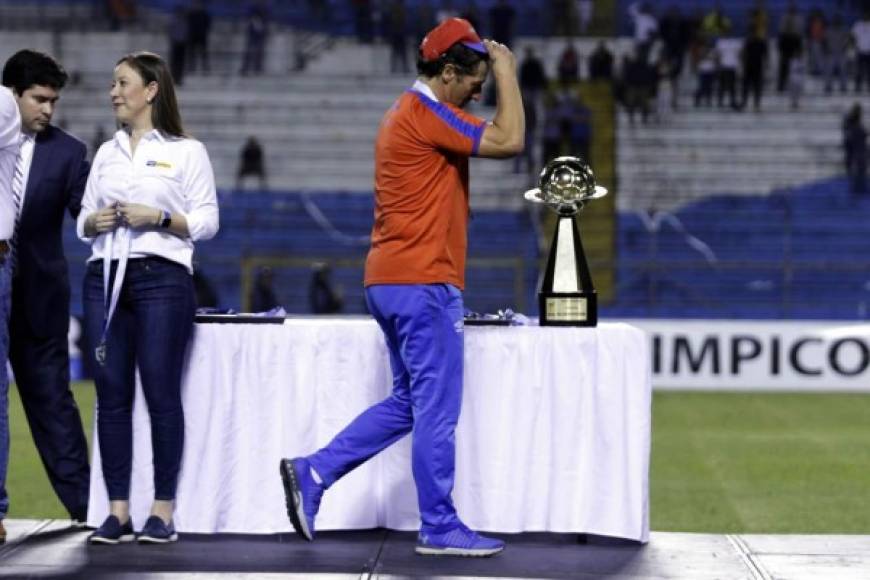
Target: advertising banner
765	355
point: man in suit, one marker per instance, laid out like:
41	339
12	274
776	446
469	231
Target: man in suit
53	169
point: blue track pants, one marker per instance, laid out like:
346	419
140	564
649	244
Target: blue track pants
423	329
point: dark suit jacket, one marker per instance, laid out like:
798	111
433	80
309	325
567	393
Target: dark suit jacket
56	183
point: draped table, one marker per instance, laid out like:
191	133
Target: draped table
554	433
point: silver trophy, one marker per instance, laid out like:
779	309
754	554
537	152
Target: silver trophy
567	296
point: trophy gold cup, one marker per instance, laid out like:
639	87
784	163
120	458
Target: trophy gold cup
567	296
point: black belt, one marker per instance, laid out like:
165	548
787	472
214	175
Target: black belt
4	249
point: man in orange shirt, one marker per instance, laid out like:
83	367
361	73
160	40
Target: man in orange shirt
414	277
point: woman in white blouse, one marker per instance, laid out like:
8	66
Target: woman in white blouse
149	196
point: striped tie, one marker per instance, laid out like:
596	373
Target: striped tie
17	197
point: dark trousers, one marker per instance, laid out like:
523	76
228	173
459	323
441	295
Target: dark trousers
727	86
862	70
704	92
856	169
41	367
149	331
753	83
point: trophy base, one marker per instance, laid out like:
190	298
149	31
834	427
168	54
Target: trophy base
568	308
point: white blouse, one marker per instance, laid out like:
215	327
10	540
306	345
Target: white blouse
167	173
10	124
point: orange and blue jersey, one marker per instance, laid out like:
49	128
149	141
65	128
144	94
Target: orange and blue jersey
421	191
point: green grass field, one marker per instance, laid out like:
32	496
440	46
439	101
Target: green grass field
721	462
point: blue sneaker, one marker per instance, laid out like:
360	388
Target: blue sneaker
112	532
302	495
156	531
457	542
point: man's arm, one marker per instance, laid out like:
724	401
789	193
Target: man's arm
505	135
77	179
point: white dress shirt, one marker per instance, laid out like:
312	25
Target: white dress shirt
27	144
167	173
10	127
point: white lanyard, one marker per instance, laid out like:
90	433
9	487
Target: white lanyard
111	303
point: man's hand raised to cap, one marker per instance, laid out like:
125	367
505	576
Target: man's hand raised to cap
503	60
505	135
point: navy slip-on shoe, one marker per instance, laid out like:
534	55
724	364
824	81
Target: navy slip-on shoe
113	532
156	531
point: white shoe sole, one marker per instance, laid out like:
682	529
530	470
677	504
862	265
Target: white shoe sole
153	540
110	541
466	552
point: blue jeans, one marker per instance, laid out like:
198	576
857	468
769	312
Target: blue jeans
150	330
5	308
422	325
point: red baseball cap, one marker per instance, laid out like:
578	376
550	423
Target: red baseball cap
448	33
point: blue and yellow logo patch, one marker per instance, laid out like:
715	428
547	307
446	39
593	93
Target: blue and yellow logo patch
163	164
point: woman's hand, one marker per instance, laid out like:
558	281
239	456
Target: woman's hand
103	220
138	216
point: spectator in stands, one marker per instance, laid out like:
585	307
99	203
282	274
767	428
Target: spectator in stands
51	172
552	135
601	63
855	149
585	10
362	18
638	81
530	110
662	94
178	42
705	65
837	42
256	32
319	12
796	79
675	36
501	21
568	68
646	28
715	23
262	297
533	77
396	33
323	296
424	20
121	13
579	117
533	84
727	50
251	163
141	215
861	37
754	60
789	43
199	29
758	21
560	17
414	277
816	38
471	13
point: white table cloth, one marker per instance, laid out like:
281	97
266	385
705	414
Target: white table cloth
554	433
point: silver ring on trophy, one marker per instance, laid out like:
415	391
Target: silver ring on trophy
567	296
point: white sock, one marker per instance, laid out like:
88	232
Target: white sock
315	476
